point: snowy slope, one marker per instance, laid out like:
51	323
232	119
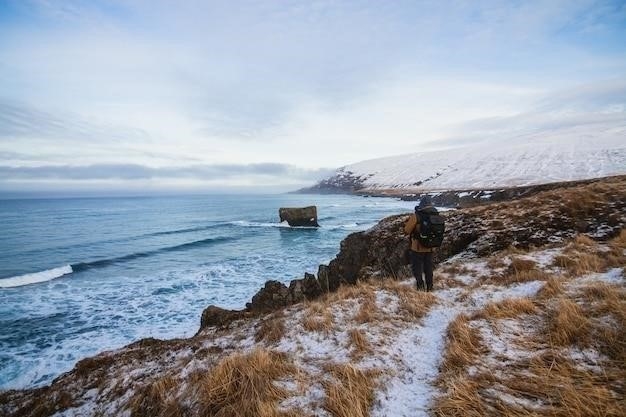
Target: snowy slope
563	157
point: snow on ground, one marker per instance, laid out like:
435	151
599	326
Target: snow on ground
408	352
538	161
418	351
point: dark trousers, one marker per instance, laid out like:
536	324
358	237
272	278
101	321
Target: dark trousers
422	264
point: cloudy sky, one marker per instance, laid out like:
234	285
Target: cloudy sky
191	95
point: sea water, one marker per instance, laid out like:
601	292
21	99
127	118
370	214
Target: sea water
80	276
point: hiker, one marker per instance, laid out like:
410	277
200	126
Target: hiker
424	241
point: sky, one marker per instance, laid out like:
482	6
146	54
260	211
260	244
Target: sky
141	96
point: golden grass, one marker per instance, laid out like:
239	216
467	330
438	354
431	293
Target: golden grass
318	317
463	399
368	311
414	304
358	341
552	288
567	324
619	241
157	399
351	394
579	263
605	305
464	344
243	385
519	265
509	308
271	329
563	388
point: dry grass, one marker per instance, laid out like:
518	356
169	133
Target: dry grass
463	399
552	288
271	329
496	262
464	344
351	394
580	263
157	399
368	311
519	265
358	341
509	308
563	388
567	324
619	241
318	317
360	290
605	306
243	385
583	256
414	304
455	268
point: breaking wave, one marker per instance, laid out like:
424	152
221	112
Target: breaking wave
36	277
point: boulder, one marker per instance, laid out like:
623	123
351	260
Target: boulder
299	216
307	288
219	317
272	296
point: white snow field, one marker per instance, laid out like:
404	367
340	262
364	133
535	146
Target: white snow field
564	156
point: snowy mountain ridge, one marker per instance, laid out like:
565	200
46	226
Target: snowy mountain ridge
537	161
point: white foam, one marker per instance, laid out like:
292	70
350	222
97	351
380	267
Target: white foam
37	277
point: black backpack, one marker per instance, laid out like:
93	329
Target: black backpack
432	227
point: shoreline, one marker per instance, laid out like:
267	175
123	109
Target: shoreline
371	255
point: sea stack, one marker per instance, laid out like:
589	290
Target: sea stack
299	216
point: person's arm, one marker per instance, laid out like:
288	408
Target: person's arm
410	224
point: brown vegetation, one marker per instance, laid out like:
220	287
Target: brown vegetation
351	393
358	340
271	329
464	344
318	317
244	385
509	308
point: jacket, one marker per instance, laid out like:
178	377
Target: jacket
411	224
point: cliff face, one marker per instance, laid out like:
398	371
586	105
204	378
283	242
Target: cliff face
598	209
133	379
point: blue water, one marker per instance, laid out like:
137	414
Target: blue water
146	267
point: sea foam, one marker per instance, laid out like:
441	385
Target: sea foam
36	277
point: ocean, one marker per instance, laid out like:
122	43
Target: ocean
82	275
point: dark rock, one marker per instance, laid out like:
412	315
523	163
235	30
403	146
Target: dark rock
304	289
219	317
323	278
299	216
272	296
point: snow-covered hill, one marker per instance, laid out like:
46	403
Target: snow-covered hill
536	161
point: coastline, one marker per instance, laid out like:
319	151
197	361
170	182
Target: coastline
370	255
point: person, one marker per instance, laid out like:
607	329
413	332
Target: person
421	256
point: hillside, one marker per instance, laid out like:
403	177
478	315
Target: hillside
528	317
539	161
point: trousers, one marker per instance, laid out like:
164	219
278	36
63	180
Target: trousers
422	264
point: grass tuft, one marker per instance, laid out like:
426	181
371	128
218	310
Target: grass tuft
464	345
243	385
271	329
509	308
568	324
351	394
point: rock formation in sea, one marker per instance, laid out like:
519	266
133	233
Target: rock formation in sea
299	216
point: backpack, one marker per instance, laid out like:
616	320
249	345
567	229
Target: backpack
432	227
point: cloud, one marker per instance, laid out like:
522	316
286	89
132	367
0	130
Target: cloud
210	89
130	172
19	120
